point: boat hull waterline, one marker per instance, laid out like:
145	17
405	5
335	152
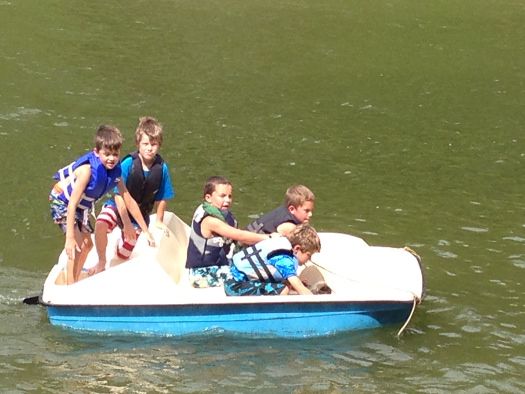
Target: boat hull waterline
283	320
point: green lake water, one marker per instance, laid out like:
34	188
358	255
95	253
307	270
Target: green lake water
404	117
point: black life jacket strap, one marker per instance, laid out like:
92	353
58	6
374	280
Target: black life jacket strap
251	252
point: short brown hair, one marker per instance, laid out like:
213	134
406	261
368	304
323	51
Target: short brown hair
151	127
108	137
306	237
297	195
212	182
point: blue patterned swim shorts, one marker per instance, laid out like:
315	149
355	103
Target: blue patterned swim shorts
59	215
209	276
233	287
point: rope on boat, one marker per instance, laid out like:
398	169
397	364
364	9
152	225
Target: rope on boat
420	262
412	251
415	302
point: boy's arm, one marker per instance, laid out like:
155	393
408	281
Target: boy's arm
211	226
161	208
298	286
134	209
285	228
129	231
164	194
82	174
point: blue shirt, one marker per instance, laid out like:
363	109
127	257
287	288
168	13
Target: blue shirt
165	192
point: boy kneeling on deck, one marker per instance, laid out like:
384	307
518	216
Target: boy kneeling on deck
270	266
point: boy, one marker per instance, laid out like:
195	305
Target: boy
79	186
147	179
270	267
213	229
298	208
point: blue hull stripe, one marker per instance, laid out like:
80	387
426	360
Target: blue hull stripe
279	319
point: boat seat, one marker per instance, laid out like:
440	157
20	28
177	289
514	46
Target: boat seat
172	247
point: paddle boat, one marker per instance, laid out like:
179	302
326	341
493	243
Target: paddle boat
151	294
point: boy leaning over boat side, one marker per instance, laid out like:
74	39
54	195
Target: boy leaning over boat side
298	207
79	185
213	230
147	178
270	267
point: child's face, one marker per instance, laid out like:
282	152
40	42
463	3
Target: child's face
304	212
109	159
148	148
301	256
221	197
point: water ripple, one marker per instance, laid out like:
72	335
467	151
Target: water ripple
475	229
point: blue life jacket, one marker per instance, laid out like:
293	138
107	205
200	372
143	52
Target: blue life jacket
207	252
269	222
253	260
100	182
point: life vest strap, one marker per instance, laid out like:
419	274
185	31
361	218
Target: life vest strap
256	253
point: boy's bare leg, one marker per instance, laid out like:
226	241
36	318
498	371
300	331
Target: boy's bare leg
74	266
101	243
85	247
70	269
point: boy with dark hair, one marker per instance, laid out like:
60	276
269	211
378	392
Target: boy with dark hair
213	230
79	185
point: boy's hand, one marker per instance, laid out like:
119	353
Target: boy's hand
150	239
71	248
163	227
298	286
129	232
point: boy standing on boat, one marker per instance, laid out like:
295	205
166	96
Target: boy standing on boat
148	180
213	230
298	208
79	185
270	267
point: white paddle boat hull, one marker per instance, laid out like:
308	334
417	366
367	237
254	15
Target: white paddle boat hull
150	293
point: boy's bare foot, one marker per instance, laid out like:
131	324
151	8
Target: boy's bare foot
97	269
